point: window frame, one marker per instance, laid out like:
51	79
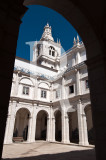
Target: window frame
52	51
43	95
86	84
27	87
70	89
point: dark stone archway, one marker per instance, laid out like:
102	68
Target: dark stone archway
88	18
41	126
58	126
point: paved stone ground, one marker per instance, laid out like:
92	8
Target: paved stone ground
47	151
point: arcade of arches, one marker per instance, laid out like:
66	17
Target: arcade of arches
51	129
88	17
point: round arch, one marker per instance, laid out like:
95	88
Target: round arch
93	49
55	111
26	108
41	125
21	125
26	78
43	110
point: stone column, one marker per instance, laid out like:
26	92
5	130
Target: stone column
6	130
36	89
51	124
29	129
53	129
10	125
80	123
77	57
48	129
16	84
78	88
32	126
82	126
85	129
73	60
62	104
67	129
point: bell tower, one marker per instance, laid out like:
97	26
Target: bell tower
47	51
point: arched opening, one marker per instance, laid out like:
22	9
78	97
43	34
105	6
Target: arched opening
73	127
58	126
41	126
21	125
90	130
70	11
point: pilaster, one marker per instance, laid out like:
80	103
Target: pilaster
32	126
78	88
10	125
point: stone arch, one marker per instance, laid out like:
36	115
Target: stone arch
46	87
25	107
44	110
75	14
27	79
94	48
21	125
55	111
41	125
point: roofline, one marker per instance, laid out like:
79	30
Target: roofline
22	59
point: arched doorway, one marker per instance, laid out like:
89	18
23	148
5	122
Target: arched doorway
90	130
21	125
73	127
41	125
58	126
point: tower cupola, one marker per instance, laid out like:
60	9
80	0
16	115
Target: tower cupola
47	34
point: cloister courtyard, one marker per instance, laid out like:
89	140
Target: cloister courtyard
42	150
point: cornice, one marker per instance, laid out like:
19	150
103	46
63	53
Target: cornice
38	102
17	99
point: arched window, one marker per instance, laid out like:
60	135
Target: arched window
52	51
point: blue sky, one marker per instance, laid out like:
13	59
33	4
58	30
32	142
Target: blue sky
32	25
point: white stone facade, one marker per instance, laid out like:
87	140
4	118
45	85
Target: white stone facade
50	96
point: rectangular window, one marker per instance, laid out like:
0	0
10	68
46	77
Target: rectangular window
26	90
43	94
86	84
71	89
57	93
53	53
49	52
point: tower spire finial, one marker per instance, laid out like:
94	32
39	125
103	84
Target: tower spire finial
77	39
57	40
74	41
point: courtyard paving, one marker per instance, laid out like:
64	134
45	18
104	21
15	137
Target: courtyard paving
47	151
